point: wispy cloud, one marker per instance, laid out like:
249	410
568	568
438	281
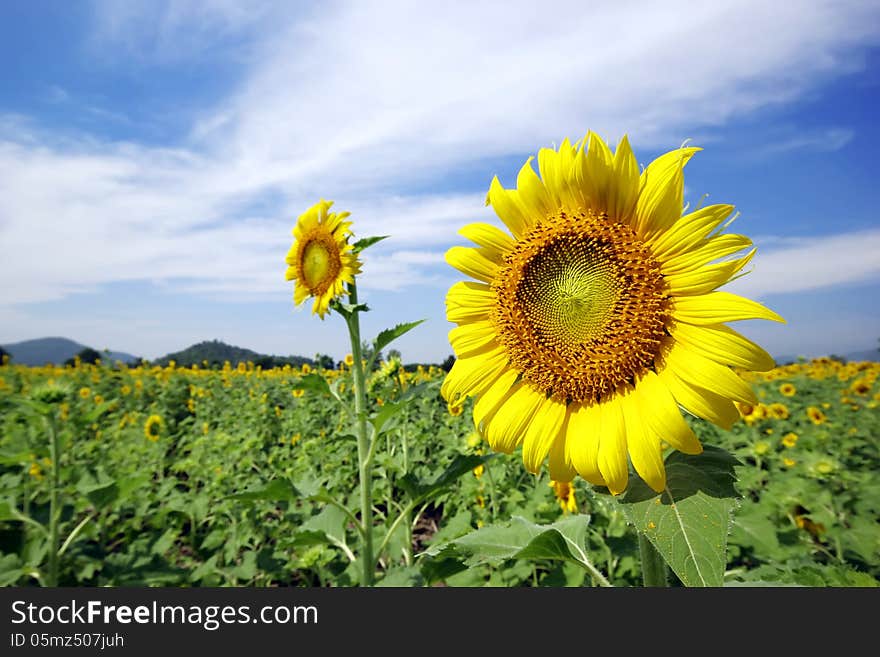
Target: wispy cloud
804	264
823	141
363	102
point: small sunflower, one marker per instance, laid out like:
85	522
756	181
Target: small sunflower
787	389
790	439
597	316
321	260
778	411
153	427
816	416
564	492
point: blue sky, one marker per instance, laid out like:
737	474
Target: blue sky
155	155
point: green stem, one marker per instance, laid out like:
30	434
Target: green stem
54	511
363	442
653	566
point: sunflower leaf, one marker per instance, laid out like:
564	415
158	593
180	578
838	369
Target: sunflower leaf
421	491
563	540
366	242
690	520
387	336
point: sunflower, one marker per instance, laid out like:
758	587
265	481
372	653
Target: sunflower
787	389
321	260
790	439
816	416
153	427
596	316
564	492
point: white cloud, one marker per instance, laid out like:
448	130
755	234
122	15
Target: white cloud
812	263
361	101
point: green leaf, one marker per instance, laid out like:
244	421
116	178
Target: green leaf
753	528
10	569
277	490
408	577
420	491
366	242
103	494
689	522
564	540
315	383
388	336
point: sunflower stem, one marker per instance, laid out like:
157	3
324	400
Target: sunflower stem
653	567
365	451
54	509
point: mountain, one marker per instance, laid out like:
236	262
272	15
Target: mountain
866	354
216	353
55	350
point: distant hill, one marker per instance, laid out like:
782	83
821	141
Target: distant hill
867	354
216	353
56	351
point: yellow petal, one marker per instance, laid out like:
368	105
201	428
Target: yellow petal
688	231
612	459
717	247
723	345
705	373
558	463
624	189
542	431
643	445
509	208
595	171
471	337
662	192
707	278
660	413
488	236
699	401
468	301
470	376
718	308
506	428
533	194
492	396
582	441
472	262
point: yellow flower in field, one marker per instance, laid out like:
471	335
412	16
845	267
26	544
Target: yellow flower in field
297	392
349	360
205	428
35	471
597	317
474	440
787	389
306	369
761	447
478	471
778	411
321	260
861	386
564	492
822	466
454	409
790	439
85	393
125	390
816	416
295	439
191	405
153	427
98	399
242	368
788	463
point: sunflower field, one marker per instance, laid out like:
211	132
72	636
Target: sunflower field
236	476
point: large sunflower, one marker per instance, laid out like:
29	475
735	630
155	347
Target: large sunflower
321	260
597	317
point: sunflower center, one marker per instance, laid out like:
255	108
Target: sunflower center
580	306
319	262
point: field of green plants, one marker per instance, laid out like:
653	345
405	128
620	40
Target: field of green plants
236	476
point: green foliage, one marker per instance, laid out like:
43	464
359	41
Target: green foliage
250	485
689	521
